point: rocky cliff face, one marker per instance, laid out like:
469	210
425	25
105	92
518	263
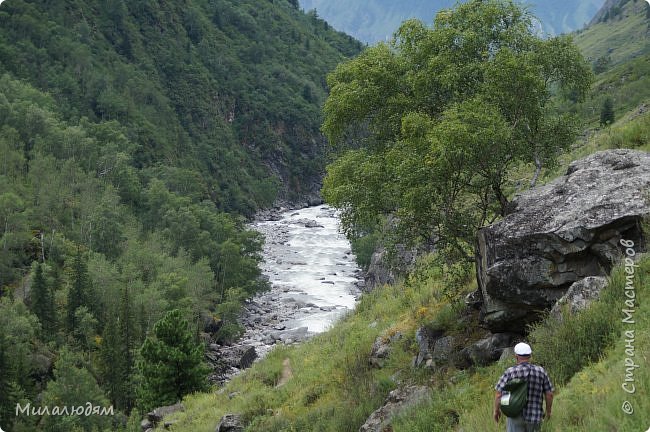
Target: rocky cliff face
560	233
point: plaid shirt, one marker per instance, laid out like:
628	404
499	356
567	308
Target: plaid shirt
538	384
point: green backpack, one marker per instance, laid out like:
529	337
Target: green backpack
514	397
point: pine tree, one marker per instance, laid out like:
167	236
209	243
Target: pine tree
607	112
7	402
79	291
42	300
172	363
127	342
117	354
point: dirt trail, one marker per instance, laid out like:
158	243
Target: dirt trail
287	373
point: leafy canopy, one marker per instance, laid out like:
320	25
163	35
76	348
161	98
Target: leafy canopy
428	126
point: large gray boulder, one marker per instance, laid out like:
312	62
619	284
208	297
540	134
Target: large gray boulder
560	233
384	268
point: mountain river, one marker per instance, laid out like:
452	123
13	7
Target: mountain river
313	274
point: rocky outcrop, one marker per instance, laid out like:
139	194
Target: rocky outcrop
426	339
381	349
154	417
437	350
579	296
230	423
227	361
485	351
398	400
385	268
561	233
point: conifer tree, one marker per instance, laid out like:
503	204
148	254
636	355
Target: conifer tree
172	363
607	112
118	361
79	290
42	300
7	383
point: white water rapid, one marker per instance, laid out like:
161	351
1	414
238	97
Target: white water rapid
313	273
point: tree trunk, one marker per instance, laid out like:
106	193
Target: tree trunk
538	169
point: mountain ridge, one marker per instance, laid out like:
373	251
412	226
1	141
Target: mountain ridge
369	21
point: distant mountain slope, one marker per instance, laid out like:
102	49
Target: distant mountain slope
617	45
619	32
231	88
376	20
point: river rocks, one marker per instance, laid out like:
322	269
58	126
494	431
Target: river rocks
312	276
230	423
227	361
398	400
579	295
308	223
560	233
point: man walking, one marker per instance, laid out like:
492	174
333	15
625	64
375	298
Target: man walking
539	388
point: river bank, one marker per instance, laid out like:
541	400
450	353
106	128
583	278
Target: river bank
314	281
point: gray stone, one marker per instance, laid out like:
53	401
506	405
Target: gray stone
507	355
381	349
398	400
155	417
382	270
489	349
230	423
426	339
146	424
579	295
560	233
442	349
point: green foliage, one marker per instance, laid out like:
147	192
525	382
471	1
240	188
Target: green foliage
128	160
632	134
73	386
602	64
363	247
607	112
79	294
42	300
204	95
10	390
172	363
433	122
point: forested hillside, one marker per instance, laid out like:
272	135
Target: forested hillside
376	20
228	89
135	137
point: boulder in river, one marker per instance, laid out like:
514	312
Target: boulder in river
560	233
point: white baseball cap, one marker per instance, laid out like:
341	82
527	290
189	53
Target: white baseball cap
523	349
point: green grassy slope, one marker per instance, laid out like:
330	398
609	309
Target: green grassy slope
619	50
334	389
621	36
